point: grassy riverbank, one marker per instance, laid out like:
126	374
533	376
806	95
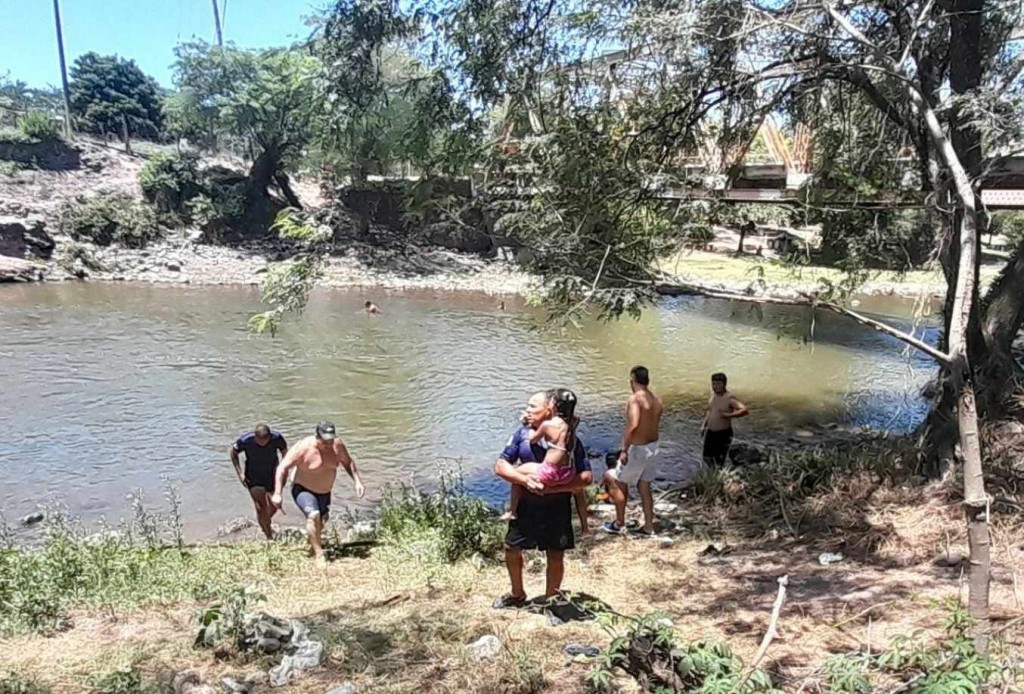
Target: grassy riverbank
118	613
737	273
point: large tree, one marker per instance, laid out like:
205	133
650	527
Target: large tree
266	99
112	95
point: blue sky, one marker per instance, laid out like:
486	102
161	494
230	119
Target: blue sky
144	30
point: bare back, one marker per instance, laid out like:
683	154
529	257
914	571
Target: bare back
316	468
555	433
648	408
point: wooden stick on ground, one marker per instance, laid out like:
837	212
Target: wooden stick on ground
770	634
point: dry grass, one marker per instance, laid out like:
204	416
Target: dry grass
705	266
402	626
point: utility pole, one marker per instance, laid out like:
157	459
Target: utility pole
63	70
216	21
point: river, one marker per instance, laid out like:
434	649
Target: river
109	388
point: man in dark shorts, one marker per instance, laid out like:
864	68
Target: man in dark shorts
544	518
316	460
723	407
263	449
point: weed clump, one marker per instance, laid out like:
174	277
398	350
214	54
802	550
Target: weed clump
442	526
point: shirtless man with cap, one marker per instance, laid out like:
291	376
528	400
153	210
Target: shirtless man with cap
316	460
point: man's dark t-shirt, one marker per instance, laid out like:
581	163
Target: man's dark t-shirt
261	461
544	521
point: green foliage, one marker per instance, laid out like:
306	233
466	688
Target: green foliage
109	93
74	256
16	98
854	240
949	666
40	126
438	527
847	674
952	666
122	681
263	99
170	181
1009	223
389	109
9	168
219	210
13	683
648	649
122	568
110	219
590	228
286	287
226	617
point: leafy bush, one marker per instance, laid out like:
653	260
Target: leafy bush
74	256
648	649
37	125
107	219
218	211
226	617
447	525
171	181
951	665
119	569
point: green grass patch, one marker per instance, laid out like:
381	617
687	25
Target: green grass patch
122	569
442	526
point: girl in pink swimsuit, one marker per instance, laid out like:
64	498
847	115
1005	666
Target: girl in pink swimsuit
558	435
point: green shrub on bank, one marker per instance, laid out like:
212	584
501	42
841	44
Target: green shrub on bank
443	526
170	181
135	565
649	650
36	125
110	219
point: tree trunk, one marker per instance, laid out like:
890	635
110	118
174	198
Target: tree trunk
1003	316
281	178
963	317
125	135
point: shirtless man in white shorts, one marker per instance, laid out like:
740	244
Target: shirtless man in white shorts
637	461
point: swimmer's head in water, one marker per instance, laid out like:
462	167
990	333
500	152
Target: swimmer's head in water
326	431
718	381
368	304
262	433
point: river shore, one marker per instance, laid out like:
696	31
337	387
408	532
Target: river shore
179	260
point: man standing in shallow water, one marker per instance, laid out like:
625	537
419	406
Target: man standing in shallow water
723	407
316	460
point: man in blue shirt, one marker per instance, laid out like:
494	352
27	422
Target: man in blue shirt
544	518
263	450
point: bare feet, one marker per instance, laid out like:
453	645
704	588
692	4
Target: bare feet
321	561
508	516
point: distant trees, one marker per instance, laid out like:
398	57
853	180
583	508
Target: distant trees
110	94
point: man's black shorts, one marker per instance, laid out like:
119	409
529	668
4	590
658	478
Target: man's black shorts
544	524
716	446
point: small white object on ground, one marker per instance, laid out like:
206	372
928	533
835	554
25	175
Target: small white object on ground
826	558
486	647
